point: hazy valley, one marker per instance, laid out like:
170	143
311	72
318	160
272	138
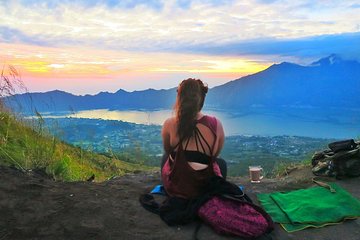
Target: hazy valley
142	144
281	114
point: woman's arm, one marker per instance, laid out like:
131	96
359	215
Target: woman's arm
220	138
165	133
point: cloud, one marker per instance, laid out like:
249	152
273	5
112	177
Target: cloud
355	5
346	44
12	35
209	26
127	4
52	4
266	1
155	4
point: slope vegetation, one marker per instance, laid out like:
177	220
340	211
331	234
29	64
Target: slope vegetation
31	147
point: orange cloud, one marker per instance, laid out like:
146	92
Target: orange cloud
129	69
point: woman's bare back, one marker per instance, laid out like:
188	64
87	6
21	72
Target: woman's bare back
203	145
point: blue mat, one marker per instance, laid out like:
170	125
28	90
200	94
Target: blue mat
159	189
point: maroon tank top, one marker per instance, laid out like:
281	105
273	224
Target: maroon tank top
179	178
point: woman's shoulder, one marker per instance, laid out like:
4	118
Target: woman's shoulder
212	118
209	121
169	122
207	116
214	123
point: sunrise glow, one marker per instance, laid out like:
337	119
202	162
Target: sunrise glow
91	46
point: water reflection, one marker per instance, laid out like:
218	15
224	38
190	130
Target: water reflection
240	123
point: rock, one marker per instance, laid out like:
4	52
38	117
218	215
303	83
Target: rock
110	209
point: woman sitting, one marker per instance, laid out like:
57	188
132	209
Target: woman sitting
192	141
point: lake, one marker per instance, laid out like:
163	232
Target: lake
294	122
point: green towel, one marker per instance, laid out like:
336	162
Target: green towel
312	207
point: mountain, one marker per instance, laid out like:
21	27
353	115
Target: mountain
329	82
55	101
326	83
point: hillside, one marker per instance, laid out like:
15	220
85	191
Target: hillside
44	196
36	207
31	147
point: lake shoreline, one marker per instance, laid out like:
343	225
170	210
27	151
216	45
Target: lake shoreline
250	121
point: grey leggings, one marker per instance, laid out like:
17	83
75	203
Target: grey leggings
221	162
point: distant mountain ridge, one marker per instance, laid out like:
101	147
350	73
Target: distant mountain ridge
63	101
328	82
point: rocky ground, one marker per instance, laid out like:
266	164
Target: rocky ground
33	206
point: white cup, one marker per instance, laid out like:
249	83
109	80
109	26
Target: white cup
256	174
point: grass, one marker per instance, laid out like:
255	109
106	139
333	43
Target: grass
282	169
30	147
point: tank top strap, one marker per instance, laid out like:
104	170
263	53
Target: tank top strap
207	121
211	123
200	138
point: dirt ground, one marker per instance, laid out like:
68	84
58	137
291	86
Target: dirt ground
32	206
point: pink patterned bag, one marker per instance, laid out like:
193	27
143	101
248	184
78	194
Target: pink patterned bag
235	217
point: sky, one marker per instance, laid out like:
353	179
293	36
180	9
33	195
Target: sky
89	46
